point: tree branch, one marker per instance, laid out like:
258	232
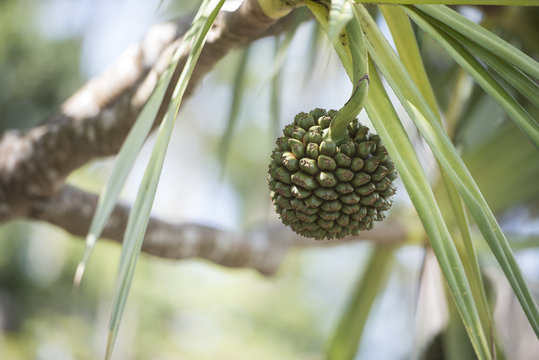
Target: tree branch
96	119
262	249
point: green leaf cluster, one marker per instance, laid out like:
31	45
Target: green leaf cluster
503	72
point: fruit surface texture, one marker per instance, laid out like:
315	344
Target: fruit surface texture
328	190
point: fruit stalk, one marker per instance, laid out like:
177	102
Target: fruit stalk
360	82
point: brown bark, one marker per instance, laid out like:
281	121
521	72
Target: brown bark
262	249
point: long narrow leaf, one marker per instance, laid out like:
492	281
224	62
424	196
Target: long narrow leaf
483	37
513	76
139	216
399	147
122	166
346	338
404	37
528	125
392	133
457	346
442	147
405	41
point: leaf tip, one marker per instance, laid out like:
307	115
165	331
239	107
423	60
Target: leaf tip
110	344
91	239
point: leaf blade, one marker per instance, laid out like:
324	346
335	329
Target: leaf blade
482	37
390	129
521	117
122	166
392	133
140	213
513	76
404	38
442	147
403	35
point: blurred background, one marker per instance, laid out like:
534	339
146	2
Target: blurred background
192	309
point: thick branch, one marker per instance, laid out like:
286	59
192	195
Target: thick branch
96	119
263	249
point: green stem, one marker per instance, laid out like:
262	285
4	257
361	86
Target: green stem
402	32
352	51
360	81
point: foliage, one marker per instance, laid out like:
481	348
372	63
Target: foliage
457	210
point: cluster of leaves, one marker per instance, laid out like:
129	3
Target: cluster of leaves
461	38
493	63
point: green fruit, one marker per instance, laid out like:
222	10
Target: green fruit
326	190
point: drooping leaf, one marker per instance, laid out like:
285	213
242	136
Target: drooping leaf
440	144
391	131
122	166
140	213
407	47
457	346
503	68
404	37
521	117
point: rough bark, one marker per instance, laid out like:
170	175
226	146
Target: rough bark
262	249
